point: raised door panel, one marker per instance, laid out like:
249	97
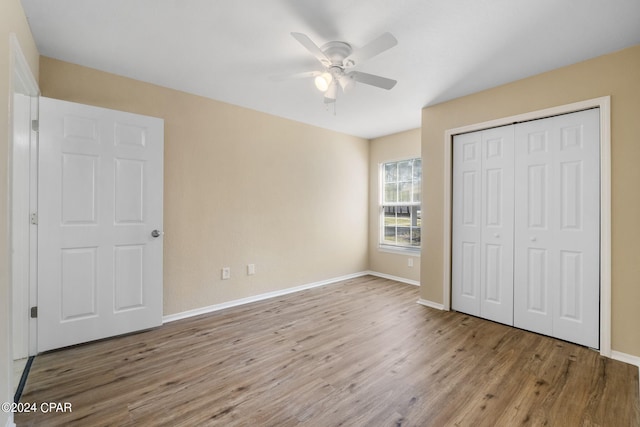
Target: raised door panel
79	279
79	188
129	280
129	191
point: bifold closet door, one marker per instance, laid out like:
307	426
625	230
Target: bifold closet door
482	267
557	227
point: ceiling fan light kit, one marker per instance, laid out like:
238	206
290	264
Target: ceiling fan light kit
323	81
338	58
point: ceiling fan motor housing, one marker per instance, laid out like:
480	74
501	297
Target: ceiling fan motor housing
337	52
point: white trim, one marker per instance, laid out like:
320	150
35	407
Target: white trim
395	278
400	250
626	358
33	245
604	103
10	422
23	81
255	298
431	304
20	227
20	66
605	226
217	307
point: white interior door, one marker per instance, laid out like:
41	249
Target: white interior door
100	198
557	259
482	267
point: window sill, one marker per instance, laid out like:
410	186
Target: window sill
400	251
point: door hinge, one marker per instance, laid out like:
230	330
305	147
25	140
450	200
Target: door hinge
34	312
34	218
35	125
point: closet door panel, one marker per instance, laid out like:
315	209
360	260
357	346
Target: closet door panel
467	230
577	311
496	280
533	264
557	259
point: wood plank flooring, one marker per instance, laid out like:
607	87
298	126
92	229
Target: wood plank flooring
356	353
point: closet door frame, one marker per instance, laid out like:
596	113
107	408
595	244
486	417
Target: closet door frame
604	104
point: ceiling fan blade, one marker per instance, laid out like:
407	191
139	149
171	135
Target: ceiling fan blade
384	42
281	77
373	80
313	48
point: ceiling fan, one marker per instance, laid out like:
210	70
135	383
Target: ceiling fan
338	59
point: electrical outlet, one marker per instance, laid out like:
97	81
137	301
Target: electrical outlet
251	269
410	262
226	273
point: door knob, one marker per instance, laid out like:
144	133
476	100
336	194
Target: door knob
533	239
155	233
496	235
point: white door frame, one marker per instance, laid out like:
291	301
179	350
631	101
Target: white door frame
23	81
604	103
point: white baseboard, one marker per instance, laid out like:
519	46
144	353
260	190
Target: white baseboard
216	307
395	278
255	298
626	358
10	422
431	304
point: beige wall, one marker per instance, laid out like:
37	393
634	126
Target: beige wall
12	20
403	145
240	187
617	75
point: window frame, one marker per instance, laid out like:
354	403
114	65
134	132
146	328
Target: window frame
385	246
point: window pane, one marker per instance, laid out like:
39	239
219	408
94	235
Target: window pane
403	214
390	172
405	192
417	170
416	216
389	236
415	237
391	193
404	236
417	191
405	171
390	216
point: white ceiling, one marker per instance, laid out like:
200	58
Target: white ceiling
227	50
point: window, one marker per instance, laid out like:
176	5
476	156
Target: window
401	188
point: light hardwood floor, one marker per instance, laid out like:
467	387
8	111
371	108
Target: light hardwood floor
356	353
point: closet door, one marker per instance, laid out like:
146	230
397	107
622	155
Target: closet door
482	276
557	211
